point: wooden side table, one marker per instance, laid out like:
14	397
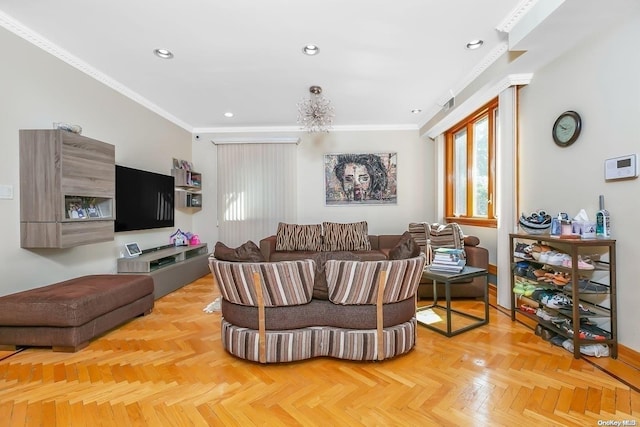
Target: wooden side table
448	279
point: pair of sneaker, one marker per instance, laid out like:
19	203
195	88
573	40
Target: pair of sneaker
589	287
597	350
522	250
545	315
582	264
556	258
524	288
556	301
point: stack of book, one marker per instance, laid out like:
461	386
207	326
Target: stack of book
448	260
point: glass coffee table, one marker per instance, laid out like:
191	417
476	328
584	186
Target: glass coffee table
429	316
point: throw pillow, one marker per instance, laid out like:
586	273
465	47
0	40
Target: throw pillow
419	231
299	237
445	236
406	248
346	237
320	289
248	252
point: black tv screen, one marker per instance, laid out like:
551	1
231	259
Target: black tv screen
144	199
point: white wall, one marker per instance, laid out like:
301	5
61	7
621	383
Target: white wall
415	180
599	80
37	89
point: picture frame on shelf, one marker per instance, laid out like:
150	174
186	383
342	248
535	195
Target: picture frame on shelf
75	209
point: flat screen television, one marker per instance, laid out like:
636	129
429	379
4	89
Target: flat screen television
144	199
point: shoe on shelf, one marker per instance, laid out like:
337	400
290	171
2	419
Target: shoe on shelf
544	256
518	288
545	315
529	289
597	350
558	301
588	287
558	258
582	265
522	250
527	309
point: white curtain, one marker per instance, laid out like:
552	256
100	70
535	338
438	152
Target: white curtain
256	190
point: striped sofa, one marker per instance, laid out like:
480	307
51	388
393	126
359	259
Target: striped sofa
269	314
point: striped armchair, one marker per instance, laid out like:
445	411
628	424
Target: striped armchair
269	314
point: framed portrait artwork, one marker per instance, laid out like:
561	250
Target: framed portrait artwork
361	178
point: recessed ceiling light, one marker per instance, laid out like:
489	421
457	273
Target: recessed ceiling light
474	44
311	49
163	53
416	111
228	114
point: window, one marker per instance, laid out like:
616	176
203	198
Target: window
470	168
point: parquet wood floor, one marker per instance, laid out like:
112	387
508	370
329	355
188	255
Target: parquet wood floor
169	369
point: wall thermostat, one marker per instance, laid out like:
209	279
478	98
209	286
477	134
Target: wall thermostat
621	167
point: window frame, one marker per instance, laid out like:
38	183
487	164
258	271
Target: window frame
489	110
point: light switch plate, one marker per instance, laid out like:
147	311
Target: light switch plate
6	192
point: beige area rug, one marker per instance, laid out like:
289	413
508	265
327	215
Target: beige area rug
213	306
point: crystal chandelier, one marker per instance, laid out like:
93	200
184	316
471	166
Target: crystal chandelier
315	114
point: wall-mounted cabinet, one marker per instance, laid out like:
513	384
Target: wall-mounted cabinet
188	185
67	189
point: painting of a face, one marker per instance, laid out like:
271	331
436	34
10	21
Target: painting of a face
356	181
360	178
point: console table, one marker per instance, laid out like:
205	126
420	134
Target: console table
449	280
171	267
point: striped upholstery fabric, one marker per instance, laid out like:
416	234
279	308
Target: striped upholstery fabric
419	232
283	283
356	282
446	236
305	343
299	237
346	237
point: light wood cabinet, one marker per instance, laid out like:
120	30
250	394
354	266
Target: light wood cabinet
188	185
67	189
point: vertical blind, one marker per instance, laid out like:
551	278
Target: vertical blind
256	190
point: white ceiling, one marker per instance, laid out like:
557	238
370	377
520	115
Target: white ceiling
378	59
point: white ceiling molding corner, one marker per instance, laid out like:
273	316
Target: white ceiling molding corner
476	101
512	19
255	140
41	42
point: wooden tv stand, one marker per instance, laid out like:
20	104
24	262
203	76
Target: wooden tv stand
171	267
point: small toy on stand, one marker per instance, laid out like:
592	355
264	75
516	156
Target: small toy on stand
179	238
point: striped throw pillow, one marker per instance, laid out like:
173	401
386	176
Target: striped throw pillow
346	237
283	283
419	231
445	236
356	282
299	237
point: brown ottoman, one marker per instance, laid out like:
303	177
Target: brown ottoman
67	315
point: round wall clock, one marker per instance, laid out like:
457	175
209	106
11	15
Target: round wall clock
566	128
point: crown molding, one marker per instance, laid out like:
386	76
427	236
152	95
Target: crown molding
255	140
516	15
297	130
476	101
17	28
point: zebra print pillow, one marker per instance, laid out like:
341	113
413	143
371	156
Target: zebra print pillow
298	237
346	237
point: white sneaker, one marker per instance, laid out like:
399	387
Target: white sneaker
558	258
544	256
558	301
